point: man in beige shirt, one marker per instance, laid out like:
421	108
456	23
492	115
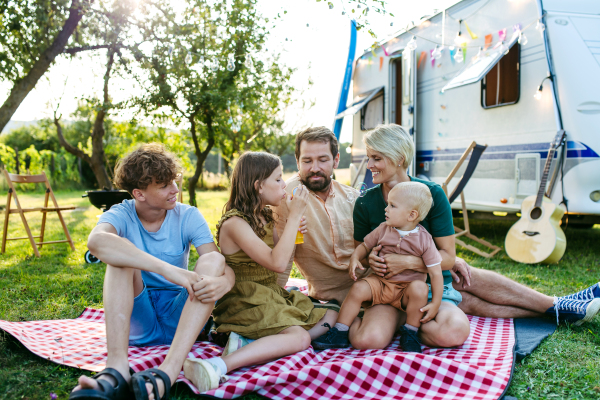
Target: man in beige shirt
324	256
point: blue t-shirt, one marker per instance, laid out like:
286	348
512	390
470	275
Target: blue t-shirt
171	243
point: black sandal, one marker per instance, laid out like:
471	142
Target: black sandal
139	380
106	391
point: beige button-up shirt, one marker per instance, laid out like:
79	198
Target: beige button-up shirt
324	256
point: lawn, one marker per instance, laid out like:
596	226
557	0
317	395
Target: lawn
60	285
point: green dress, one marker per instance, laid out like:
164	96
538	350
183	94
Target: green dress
257	306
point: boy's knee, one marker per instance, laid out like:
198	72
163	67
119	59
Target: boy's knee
211	264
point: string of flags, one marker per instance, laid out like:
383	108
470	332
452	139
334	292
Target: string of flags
458	50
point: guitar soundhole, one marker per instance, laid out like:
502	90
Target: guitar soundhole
536	213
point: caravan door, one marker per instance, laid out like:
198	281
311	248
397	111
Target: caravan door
409	99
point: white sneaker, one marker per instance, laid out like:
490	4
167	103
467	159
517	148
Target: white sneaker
235	342
204	375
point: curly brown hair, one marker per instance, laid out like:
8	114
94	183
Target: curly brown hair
151	162
244	197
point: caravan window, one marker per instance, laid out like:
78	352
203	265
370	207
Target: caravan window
500	86
371	114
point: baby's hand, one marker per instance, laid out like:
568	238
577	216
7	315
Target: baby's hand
353	265
303	229
430	311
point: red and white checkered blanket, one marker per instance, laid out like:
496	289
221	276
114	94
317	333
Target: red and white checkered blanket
479	369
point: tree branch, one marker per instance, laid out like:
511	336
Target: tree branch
68	146
22	87
75	50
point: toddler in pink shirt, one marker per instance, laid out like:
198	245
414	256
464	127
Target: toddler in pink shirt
408	204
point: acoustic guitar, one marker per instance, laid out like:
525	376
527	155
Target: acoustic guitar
537	236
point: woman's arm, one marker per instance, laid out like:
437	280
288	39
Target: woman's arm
437	290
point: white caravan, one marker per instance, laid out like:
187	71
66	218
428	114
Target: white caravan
489	98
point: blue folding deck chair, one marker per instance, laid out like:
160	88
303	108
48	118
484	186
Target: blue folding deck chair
475	150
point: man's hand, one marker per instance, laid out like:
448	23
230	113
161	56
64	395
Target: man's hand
461	267
181	277
377	263
210	288
430	311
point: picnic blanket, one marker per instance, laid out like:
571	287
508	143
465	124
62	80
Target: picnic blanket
479	369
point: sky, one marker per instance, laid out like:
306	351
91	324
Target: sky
317	51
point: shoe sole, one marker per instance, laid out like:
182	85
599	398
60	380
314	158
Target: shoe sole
591	310
231	345
201	373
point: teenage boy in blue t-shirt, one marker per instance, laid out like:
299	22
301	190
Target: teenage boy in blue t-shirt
148	288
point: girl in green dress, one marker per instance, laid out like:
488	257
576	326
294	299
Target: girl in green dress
280	322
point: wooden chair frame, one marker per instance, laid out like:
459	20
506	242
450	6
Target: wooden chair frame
467	231
42	178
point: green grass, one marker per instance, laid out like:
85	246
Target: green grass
60	285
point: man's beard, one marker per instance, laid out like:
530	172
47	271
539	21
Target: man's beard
316	186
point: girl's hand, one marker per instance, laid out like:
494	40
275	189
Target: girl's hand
352	269
303	229
430	311
297	202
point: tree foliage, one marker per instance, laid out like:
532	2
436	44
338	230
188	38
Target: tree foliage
27	29
202	70
31	38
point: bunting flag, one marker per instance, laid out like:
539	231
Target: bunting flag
432	58
422	58
464	51
373	52
473	36
502	34
452	53
488	41
384	51
380	63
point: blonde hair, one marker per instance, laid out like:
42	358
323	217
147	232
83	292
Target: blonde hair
393	141
416	195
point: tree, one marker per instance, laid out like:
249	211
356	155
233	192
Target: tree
113	26
203	63
32	34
